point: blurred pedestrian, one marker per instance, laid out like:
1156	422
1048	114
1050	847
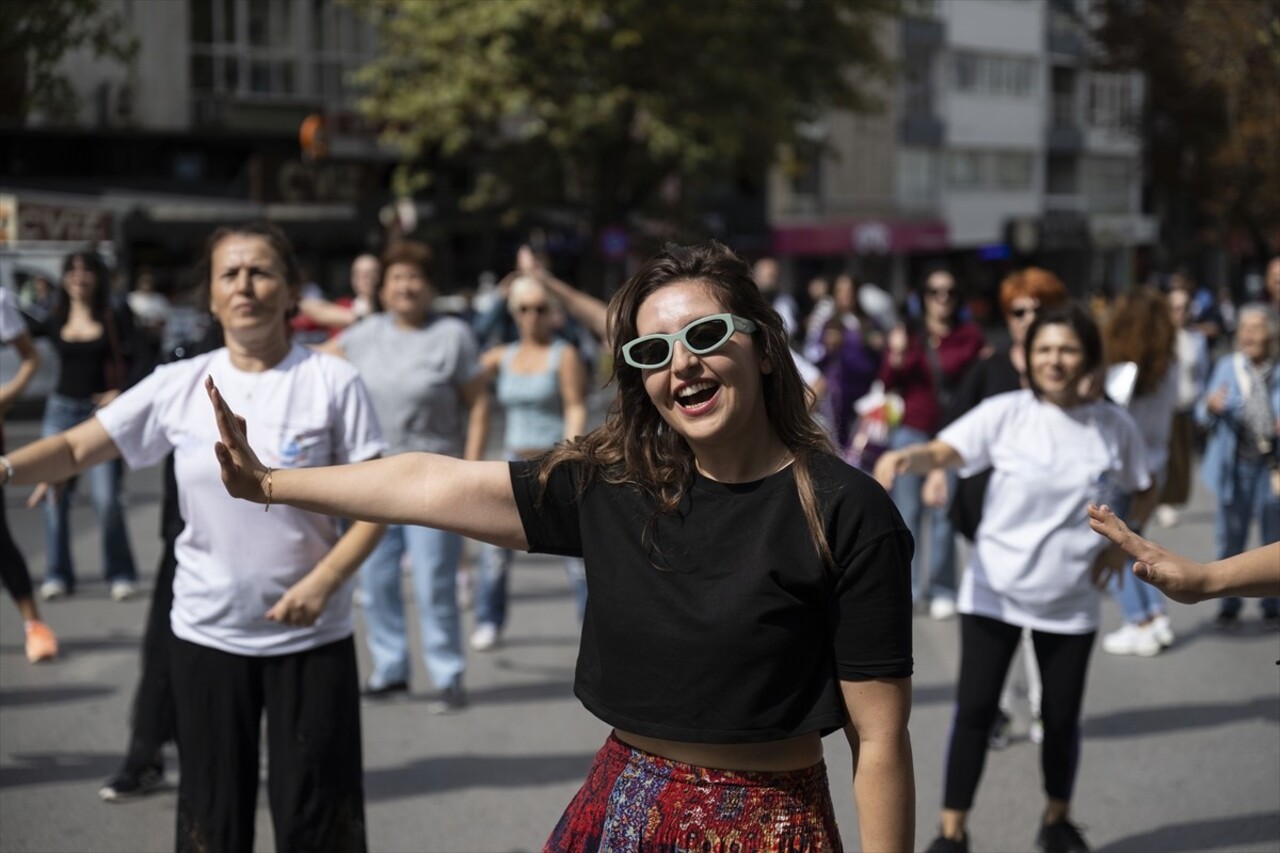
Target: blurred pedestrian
1241	411
925	365
334	315
1141	331
423	374
749	590
847	344
1035	564
262	602
97	360
541	384
1192	367
767	276
41	644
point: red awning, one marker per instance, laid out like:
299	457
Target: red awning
865	237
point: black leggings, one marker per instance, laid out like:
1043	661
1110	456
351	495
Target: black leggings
13	568
986	648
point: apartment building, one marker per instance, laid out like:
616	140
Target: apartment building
1001	145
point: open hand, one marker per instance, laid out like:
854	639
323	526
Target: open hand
242	472
1171	574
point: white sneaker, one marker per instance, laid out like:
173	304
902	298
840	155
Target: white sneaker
1166	516
1035	733
942	608
123	590
1162	630
1132	639
484	637
53	589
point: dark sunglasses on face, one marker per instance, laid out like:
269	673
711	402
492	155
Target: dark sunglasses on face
536	309
650	352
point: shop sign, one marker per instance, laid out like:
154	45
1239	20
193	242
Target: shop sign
1122	229
38	221
866	237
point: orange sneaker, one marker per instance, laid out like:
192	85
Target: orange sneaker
41	643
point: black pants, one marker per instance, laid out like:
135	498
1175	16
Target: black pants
152	724
986	648
13	568
315	784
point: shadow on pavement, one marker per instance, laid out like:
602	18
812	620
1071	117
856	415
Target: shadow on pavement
433	775
1170	718
51	695
49	768
1227	833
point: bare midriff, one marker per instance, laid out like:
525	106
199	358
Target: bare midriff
774	756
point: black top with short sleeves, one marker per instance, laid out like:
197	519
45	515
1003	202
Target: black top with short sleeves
720	622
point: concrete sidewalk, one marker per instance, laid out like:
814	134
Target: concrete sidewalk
1181	751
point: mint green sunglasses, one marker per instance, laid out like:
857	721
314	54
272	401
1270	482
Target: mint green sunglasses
700	337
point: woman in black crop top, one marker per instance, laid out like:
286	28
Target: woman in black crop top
749	592
91	341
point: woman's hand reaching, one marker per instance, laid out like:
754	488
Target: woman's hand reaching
242	473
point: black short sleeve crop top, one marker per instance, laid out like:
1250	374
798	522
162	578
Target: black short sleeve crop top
728	627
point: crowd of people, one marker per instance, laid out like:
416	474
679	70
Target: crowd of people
719	663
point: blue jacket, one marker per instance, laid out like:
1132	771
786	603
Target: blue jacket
1224	429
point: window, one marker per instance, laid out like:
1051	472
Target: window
990	170
1111	102
1109	183
917	176
277	49
993	74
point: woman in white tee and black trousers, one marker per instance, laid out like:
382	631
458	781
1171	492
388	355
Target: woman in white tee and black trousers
261	611
1035	562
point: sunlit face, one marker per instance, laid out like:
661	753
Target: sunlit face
1057	363
1253	337
365	273
940	296
80	281
406	293
1022	311
532	309
1273	280
712	400
248	290
843	293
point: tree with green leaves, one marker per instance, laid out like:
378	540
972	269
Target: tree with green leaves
613	107
34	37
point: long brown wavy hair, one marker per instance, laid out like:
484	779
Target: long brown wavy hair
1141	330
635	447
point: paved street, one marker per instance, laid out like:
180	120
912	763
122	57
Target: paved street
1181	752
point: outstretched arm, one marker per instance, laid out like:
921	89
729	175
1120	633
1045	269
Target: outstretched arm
471	498
1253	573
915	459
884	782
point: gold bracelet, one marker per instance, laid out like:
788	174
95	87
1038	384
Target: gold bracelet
267	508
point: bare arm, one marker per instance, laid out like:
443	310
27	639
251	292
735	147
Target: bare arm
573	393
884	785
27	367
478	426
303	602
475	399
1253	573
916	459
583	307
62	456
467	497
331	315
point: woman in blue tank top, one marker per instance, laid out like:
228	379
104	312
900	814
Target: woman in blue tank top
540	382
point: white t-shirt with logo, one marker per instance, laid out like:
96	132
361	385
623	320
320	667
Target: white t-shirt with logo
234	560
1030	563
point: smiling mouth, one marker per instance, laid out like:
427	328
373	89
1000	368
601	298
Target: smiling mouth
692	396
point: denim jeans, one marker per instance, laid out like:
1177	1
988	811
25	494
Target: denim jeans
1138	599
433	557
493	576
61	413
1253	499
942	541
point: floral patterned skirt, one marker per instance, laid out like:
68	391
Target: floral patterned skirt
634	800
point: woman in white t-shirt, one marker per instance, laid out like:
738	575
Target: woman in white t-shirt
1035	562
262	603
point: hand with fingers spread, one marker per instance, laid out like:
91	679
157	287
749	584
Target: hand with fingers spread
242	472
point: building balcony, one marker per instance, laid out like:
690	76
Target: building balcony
923	33
921	129
1065	139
